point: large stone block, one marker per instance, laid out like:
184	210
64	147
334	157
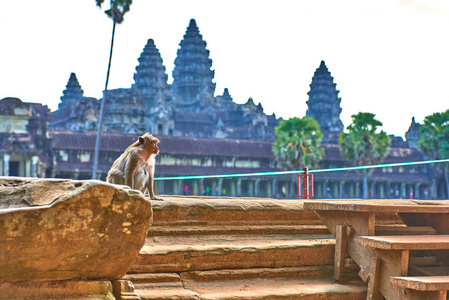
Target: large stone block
56	229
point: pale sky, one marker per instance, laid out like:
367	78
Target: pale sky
387	57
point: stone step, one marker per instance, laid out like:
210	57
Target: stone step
261	283
233	230
201	211
193	253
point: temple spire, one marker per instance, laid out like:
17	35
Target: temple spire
72	93
324	102
150	77
192	75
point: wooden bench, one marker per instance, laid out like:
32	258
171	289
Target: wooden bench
406	242
423	287
393	251
404	230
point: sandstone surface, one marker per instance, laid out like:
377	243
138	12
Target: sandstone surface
60	229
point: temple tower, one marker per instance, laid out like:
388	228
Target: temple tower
412	135
72	93
192	76
150	77
324	103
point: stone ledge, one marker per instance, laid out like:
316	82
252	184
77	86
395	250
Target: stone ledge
59	229
69	289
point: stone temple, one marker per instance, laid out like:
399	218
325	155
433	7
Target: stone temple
202	132
187	107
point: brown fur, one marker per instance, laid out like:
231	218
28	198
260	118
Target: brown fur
135	167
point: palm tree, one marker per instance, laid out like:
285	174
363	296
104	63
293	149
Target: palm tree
116	12
297	143
363	146
434	141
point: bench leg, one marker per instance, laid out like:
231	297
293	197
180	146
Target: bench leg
373	282
341	245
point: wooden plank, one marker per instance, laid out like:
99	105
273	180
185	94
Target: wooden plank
404	230
423	261
387	206
372	224
422	283
438	221
372	292
406	242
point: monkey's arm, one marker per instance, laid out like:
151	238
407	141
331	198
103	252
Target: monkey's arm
150	186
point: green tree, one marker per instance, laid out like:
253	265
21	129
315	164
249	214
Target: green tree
117	10
298	143
362	145
434	141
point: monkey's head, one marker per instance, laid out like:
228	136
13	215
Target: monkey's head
149	143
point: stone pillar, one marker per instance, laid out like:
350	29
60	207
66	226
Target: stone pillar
219	186
200	186
416	193
161	187
292	192
196	188
213	188
433	189
239	187
34	161
273	188
341	186
6	158
381	191
372	190
324	189
357	189
351	189
233	184
250	188
256	187
178	187
403	194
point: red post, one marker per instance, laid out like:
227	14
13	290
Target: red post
307	184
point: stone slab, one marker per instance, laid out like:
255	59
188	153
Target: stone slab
59	229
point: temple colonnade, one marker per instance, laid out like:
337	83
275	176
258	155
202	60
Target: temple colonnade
280	188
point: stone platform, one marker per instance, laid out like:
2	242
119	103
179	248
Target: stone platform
245	248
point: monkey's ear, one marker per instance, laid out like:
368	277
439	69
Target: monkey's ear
141	140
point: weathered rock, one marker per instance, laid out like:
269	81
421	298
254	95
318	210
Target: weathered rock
55	229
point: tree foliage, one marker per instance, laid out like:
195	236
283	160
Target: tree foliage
117	10
362	145
434	141
298	143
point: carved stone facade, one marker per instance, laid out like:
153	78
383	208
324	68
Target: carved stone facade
27	149
24	142
187	107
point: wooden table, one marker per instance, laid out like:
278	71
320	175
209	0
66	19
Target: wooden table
348	220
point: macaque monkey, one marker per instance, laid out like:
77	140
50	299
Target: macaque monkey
135	167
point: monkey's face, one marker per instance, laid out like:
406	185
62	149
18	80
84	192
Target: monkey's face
154	145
